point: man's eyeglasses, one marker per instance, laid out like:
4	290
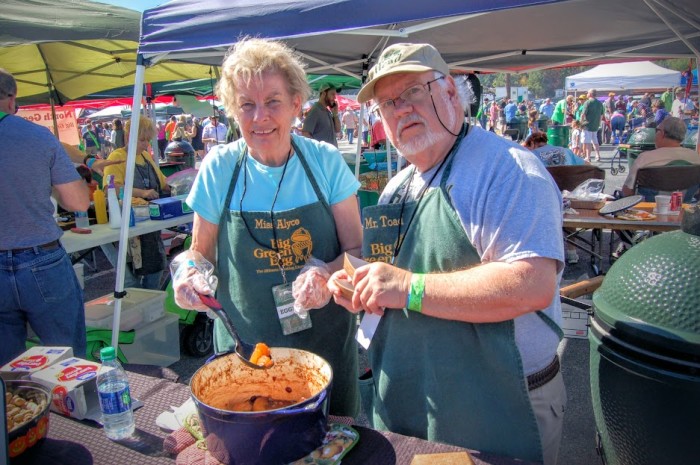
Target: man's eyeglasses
412	95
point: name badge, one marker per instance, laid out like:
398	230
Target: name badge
284	302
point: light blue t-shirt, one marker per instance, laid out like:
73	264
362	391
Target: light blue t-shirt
332	174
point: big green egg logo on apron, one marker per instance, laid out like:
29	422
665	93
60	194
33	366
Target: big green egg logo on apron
292	252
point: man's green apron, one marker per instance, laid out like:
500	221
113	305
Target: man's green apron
247	272
442	380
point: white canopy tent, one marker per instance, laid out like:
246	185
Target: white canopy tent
624	76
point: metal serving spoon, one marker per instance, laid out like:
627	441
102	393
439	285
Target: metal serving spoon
243	349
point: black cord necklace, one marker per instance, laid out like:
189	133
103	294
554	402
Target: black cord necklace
400	239
274	246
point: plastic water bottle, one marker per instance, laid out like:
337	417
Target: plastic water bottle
115	398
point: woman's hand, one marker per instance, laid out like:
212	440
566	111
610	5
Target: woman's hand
192	274
149	194
310	289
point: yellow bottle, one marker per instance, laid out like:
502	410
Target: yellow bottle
100	206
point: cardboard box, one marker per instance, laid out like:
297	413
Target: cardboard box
169	207
34	359
574	322
73	384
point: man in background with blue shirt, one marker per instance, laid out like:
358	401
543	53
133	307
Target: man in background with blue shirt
547	108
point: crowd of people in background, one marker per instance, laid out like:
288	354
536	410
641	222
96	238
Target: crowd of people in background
618	116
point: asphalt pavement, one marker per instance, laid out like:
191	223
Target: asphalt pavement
578	442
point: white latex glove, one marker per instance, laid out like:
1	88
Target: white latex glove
192	274
310	289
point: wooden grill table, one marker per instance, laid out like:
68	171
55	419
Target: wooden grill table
81	442
595	222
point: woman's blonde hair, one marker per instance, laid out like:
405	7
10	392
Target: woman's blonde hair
146	128
250	58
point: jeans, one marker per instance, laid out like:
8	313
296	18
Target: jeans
39	287
351	134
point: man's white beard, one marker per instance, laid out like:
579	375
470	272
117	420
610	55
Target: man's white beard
422	142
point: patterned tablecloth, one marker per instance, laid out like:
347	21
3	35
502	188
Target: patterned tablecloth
73	442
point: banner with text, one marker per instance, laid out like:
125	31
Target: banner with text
65	118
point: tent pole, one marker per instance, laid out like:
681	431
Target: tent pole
53	115
363	110
697	72
358	149
128	188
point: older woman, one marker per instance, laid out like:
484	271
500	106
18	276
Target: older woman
264	205
147	251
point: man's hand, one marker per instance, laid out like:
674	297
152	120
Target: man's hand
377	286
99	165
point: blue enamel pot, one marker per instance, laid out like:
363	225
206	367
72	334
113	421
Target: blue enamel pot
276	436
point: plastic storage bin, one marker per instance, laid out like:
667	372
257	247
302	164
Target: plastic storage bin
139	307
157	343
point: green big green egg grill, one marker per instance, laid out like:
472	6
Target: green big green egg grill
645	351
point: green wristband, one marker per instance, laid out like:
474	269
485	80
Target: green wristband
415	295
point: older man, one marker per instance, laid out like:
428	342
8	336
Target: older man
37	284
682	106
471	360
561	110
669	135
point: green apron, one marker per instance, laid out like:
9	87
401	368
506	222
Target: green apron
441	380
247	272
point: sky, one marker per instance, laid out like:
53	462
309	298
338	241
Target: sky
138	5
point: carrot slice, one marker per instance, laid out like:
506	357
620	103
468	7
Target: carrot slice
261	355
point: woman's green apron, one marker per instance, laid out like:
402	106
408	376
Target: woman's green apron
248	272
441	380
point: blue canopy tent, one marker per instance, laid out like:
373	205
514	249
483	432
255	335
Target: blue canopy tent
199	31
346	36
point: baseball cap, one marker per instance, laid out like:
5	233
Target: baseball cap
403	58
582	97
325	86
611	94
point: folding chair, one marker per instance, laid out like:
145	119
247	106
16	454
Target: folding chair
672	177
568	178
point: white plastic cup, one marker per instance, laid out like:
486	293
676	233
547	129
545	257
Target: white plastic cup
663	204
82	220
